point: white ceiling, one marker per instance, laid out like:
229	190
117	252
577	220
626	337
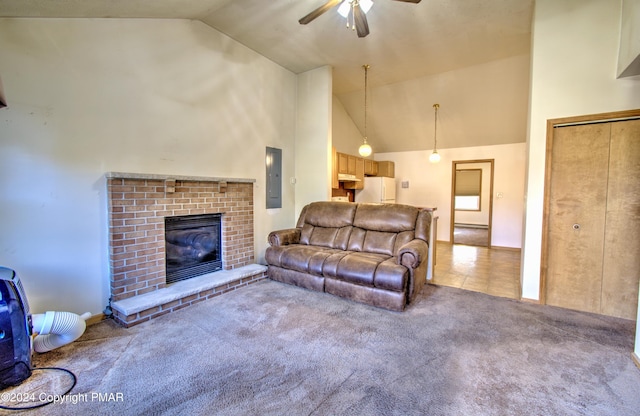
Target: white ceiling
407	41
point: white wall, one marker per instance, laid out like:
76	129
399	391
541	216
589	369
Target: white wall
313	138
574	60
629	54
88	96
430	186
346	137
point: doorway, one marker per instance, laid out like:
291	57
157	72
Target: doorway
472	202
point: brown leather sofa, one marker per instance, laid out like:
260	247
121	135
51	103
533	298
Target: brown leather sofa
371	253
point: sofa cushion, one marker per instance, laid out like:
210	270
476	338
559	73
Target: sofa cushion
379	242
391	276
299	257
331	237
392	218
367	269
356	239
326	224
328	214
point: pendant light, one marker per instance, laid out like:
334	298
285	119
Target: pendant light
435	156
365	149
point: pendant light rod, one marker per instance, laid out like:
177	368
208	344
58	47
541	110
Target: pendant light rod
365	148
366	70
435	156
435	127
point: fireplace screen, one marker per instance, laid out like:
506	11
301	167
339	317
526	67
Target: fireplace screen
192	245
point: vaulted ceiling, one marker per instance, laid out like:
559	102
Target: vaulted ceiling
407	41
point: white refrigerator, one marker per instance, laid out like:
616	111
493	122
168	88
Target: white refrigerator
377	189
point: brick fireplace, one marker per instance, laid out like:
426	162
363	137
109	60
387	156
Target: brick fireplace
138	205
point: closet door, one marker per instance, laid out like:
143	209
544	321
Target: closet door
621	268
576	224
593	243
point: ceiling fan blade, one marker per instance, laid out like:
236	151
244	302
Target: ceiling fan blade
320	10
410	1
362	26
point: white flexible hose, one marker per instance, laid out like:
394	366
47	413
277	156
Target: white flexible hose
56	329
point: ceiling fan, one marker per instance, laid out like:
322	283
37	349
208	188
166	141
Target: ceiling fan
353	10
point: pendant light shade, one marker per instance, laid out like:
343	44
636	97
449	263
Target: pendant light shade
365	149
435	156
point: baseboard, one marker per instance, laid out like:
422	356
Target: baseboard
492	247
478	226
506	248
635	359
96	319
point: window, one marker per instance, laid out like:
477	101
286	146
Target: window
468	203
468	189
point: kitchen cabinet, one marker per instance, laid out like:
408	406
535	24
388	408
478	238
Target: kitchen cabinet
386	168
347	164
351	164
343	163
334	169
370	167
358	166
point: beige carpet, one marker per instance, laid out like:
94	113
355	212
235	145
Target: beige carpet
274	349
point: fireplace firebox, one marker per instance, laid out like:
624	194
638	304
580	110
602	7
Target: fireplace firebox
193	246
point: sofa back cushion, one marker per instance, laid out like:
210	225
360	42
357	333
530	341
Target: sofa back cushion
330	237
328	214
327	224
379	242
382	228
386	217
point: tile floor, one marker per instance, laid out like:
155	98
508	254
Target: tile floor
492	271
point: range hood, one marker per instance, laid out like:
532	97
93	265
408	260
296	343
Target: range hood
345	177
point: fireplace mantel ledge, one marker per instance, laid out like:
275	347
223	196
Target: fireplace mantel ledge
153	176
184	288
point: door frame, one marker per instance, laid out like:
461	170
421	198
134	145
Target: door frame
454	165
551	125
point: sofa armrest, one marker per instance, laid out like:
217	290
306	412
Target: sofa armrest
284	237
413	253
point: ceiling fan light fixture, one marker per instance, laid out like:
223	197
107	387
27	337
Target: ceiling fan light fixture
344	9
354	11
345	6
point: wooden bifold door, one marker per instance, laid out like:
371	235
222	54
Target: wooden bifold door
591	253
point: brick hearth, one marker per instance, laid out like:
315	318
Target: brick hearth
138	204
